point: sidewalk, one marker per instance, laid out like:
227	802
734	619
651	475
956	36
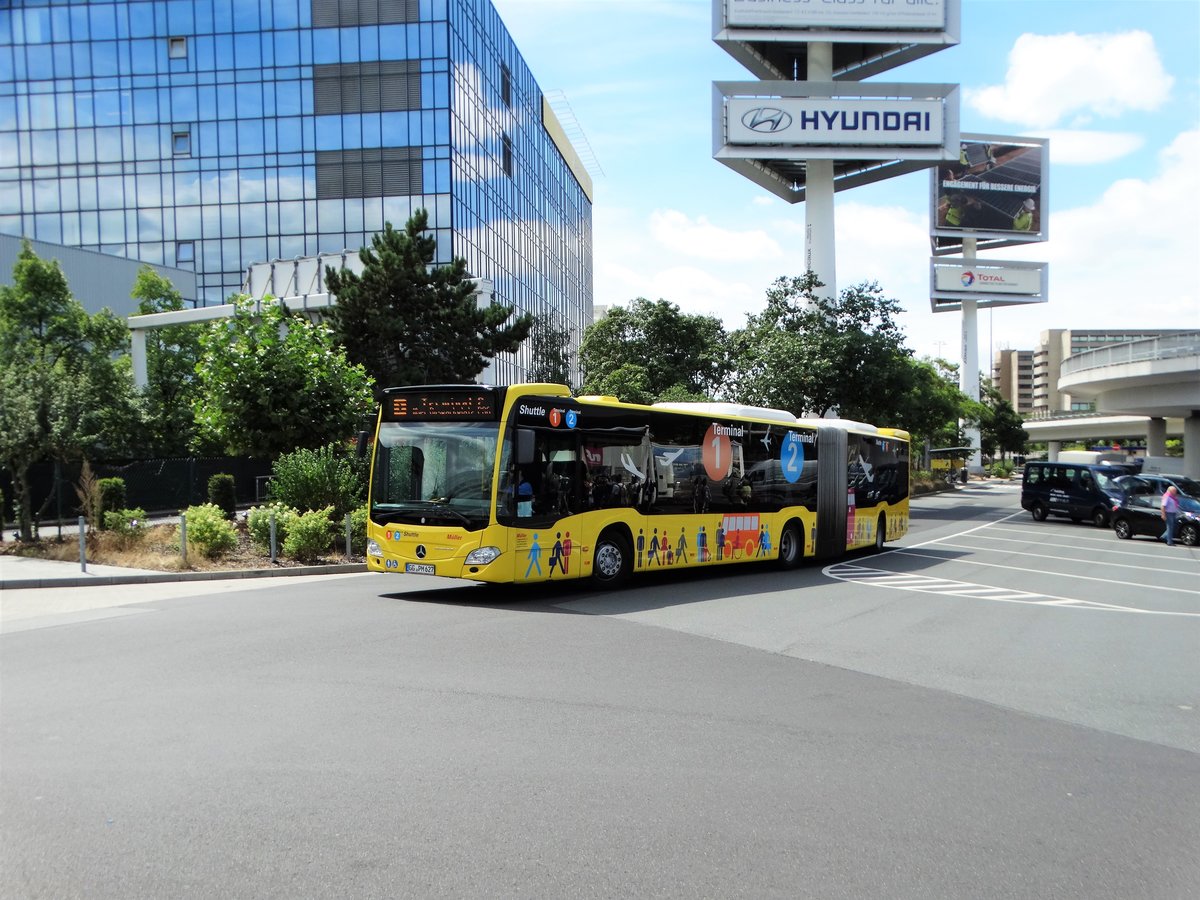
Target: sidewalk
20	573
39	593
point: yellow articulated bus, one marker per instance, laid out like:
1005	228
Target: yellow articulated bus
525	483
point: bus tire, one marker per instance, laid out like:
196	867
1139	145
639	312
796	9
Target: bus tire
791	546
612	563
880	533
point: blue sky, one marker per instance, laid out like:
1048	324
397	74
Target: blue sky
1113	84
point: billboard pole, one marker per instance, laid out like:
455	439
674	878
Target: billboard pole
820	256
969	379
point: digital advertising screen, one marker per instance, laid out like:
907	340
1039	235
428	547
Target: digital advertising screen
996	192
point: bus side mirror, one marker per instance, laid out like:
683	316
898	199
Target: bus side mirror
524	447
360	449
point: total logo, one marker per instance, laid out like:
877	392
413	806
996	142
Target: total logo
968	279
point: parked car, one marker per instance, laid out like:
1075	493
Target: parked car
1076	490
1142	514
1156	485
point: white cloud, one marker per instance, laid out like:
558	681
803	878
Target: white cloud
702	239
1129	258
1086	148
1124	260
1052	78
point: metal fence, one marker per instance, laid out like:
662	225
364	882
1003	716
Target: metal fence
158	486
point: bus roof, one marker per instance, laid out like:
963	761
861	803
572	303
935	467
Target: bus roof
728	409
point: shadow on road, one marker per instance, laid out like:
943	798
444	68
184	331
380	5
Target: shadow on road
646	591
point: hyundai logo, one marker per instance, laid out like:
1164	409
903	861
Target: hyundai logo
420	551
767	120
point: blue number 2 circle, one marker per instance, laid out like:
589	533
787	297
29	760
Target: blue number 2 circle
791	457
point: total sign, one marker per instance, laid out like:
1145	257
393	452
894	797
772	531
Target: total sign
988	279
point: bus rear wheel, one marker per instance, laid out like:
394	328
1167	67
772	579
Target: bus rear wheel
612	562
790	546
880	533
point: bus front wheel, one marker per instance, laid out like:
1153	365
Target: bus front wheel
613	560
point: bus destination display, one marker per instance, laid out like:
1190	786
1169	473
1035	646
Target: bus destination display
459	406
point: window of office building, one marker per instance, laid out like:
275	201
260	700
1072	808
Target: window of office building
505	85
229	135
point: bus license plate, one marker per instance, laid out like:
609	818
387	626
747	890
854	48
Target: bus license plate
420	568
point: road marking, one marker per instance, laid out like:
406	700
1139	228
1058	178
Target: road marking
975	562
1096	561
928	584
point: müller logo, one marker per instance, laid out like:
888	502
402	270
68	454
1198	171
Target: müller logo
767	120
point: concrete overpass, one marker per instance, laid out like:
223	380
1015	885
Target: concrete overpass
1147	388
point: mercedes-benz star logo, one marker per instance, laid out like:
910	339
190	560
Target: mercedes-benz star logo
766	120
420	551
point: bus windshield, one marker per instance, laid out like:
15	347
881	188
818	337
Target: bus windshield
434	472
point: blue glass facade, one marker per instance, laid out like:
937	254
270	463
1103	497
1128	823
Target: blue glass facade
212	134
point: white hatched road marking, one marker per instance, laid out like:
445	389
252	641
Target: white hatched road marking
929	584
944	587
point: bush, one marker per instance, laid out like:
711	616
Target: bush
209	531
112	497
314	479
1002	468
127	525
221	494
310	535
358	530
258	524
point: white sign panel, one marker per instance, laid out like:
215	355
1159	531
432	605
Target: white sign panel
989	283
991	279
874	14
865	121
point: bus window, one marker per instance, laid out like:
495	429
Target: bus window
616	468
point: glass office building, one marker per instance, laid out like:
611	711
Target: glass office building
212	134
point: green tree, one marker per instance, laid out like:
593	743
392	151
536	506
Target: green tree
930	405
549	350
63	394
649	350
271	381
406	321
1001	428
171	357
811	355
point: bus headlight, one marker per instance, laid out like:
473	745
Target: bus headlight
482	556
373	549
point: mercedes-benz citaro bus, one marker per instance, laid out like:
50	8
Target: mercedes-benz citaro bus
525	483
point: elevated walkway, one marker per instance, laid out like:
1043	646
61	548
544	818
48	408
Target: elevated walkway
1148	388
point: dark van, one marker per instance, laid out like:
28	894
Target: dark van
1076	491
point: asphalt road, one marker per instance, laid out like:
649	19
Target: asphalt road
995	708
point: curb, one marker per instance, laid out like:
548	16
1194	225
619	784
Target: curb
166	577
